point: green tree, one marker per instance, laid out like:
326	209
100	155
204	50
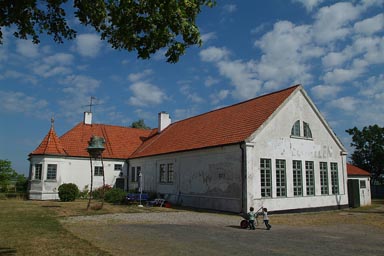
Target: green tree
140	125
144	26
369	149
10	176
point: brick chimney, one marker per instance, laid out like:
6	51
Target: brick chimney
164	121
87	117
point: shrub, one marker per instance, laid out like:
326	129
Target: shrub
115	196
68	192
84	193
96	194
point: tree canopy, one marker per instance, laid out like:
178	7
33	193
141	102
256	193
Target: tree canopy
145	26
9	176
369	149
139	124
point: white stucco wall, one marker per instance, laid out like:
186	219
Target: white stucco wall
209	178
274	141
365	192
70	170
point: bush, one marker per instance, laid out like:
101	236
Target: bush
68	192
97	193
115	196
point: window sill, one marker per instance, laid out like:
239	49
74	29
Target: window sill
300	138
50	180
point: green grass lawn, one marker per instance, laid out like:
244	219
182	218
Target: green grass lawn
30	229
33	227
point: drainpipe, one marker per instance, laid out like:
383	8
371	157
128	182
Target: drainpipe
243	177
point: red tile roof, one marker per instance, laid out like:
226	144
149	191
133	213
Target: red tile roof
229	125
121	142
50	145
356	171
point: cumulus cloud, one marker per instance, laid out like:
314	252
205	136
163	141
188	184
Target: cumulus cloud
309	4
144	93
192	96
217	97
27	48
214	54
371	25
88	45
348	103
208	37
331	22
19	102
325	91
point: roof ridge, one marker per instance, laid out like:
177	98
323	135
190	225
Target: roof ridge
240	103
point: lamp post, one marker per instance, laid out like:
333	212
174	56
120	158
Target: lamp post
95	150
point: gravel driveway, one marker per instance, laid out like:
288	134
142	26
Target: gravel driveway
196	233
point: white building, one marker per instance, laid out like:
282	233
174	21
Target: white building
275	151
359	186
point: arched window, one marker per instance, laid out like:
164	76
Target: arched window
296	129
307	130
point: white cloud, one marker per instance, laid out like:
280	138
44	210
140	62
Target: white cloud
371	25
145	93
88	45
309	4
134	77
229	8
219	96
57	64
286	50
208	37
331	21
191	96
348	103
214	54
18	102
80	85
325	92
209	81
27	48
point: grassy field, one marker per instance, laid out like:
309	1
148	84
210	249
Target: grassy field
33	227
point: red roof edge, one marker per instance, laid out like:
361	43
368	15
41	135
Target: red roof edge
356	171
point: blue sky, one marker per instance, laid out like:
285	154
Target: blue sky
335	49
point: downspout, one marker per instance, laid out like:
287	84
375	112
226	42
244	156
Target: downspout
127	176
243	177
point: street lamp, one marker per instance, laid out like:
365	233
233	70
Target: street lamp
95	150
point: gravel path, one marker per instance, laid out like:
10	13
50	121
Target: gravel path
194	233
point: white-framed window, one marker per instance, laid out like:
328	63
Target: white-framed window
135	171
266	177
334	179
310	178
170	173
295	131
38	171
99	171
51	171
307	130
297	178
281	184
166	173
363	184
324	178
118	167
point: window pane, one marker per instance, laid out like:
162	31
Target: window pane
51	172
38	171
297	178
99	171
280	178
295	131
310	178
324	178
265	172
307	130
162	173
